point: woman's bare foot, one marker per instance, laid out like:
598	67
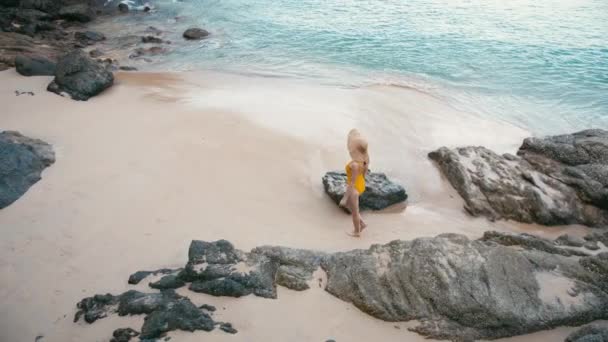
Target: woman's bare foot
353	234
363	224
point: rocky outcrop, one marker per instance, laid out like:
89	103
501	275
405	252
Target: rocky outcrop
380	192
553	181
80	77
195	33
165	311
22	160
590	333
34	66
455	288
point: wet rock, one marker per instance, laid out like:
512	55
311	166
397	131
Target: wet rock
77	12
89	37
80	77
195	33
589	333
570	240
380	192
138	276
123	8
34	66
127	68
551	183
22	161
168	282
15	44
123	335
152	51
218	269
166	311
227	327
153	30
151	39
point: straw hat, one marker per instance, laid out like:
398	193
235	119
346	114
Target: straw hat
357	146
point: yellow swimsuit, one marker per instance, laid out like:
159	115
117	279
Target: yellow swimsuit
359	182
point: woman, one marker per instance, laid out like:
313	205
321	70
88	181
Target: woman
356	170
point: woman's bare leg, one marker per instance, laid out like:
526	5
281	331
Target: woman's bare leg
354	210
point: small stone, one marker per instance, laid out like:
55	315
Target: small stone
34	66
123	335
123	8
151	39
195	33
207	307
592	245
227	327
128	68
95	53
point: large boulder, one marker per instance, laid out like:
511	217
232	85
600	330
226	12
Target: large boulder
80	77
22	160
554	181
380	192
195	33
34	66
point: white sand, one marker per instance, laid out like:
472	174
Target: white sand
159	160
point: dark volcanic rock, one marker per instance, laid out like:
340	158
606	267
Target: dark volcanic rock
77	12
80	77
166	311
123	8
168	282
556	180
127	68
195	33
208	307
22	160
34	66
123	335
379	193
218	269
590	333
152	51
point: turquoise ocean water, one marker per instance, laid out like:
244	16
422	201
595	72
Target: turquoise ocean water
540	64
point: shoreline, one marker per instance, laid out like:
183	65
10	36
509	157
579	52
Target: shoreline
133	184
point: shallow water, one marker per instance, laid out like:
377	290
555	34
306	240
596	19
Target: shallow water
542	65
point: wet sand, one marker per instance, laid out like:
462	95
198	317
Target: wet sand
161	159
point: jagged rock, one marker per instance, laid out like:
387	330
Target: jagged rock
195	33
218	269
498	286
166	311
80	77
589	333
380	192
77	12
34	66
138	276
168	282
530	242
123	335
464	290
556	180
22	160
570	240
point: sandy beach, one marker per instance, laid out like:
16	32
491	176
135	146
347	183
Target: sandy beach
161	159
